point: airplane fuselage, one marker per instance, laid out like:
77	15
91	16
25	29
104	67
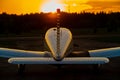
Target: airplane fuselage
58	43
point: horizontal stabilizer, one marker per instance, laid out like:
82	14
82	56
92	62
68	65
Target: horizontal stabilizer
108	52
78	60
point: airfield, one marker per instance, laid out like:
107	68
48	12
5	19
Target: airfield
108	71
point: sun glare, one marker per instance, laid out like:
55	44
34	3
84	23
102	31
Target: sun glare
51	6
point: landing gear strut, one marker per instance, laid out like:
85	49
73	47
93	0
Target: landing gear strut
21	68
96	67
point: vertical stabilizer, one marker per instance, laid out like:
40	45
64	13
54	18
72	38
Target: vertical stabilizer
58	39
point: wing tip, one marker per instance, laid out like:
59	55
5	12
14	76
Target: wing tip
10	60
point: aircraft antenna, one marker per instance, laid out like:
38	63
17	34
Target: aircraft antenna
58	32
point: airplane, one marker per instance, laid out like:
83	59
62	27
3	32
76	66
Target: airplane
59	42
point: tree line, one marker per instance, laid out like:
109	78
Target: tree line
17	24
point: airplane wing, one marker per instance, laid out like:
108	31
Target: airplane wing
108	52
9	53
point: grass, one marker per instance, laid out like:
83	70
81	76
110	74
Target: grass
8	44
114	39
75	32
80	31
90	31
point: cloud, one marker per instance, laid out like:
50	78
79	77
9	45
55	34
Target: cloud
102	5
105	0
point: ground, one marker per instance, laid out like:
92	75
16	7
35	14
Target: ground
108	71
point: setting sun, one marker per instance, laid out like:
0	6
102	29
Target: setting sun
51	6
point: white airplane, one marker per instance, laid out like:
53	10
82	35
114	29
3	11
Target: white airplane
59	41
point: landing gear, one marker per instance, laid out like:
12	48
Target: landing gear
21	68
96	67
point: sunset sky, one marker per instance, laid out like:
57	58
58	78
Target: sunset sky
33	6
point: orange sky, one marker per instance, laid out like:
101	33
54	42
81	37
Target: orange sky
32	6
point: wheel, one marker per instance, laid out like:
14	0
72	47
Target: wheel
21	68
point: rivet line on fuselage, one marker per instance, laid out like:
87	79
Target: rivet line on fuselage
58	34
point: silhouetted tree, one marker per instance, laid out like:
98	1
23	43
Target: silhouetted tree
27	23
